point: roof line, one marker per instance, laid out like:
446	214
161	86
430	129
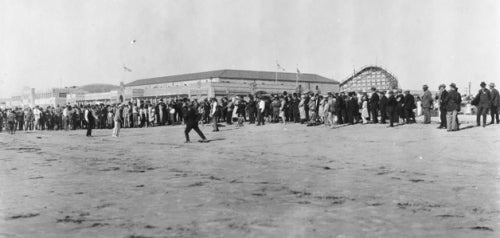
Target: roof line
226	73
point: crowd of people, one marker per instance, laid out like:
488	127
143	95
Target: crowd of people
393	107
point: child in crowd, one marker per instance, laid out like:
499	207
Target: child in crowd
240	110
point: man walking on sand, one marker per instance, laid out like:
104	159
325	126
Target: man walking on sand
191	120
117	120
90	119
214	114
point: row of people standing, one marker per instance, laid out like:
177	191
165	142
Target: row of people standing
313	109
38	118
72	117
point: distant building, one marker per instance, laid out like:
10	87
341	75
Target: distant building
15	101
52	97
94	93
227	83
368	77
28	97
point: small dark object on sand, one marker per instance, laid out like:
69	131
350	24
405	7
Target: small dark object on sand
28	215
484	228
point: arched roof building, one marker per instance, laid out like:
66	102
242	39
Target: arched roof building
228	82
368	77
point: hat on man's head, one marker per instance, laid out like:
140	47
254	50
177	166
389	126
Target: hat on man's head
425	86
442	85
492	85
482	84
453	85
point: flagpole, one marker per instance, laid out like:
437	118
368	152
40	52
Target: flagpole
276	79
276	75
297	80
297	77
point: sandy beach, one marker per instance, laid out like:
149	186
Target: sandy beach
353	181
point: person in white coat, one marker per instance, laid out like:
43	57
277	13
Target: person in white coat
260	111
302	109
364	108
214	113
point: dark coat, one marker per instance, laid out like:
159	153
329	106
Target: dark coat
442	98
409	102
391	103
352	106
400	99
483	98
383	103
339	104
190	115
374	101
251	106
452	101
495	98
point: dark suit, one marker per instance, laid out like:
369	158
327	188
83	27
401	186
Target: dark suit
91	122
374	103
383	108
391	109
409	105
483	98
442	109
340	109
251	108
352	110
191	119
495	104
295	109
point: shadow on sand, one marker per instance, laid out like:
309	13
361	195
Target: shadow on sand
466	127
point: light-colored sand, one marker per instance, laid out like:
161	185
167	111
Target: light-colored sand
357	181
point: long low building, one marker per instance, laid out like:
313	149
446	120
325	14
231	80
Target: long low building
228	83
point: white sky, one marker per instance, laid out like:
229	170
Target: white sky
54	43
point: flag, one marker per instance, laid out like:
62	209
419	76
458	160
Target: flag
126	69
